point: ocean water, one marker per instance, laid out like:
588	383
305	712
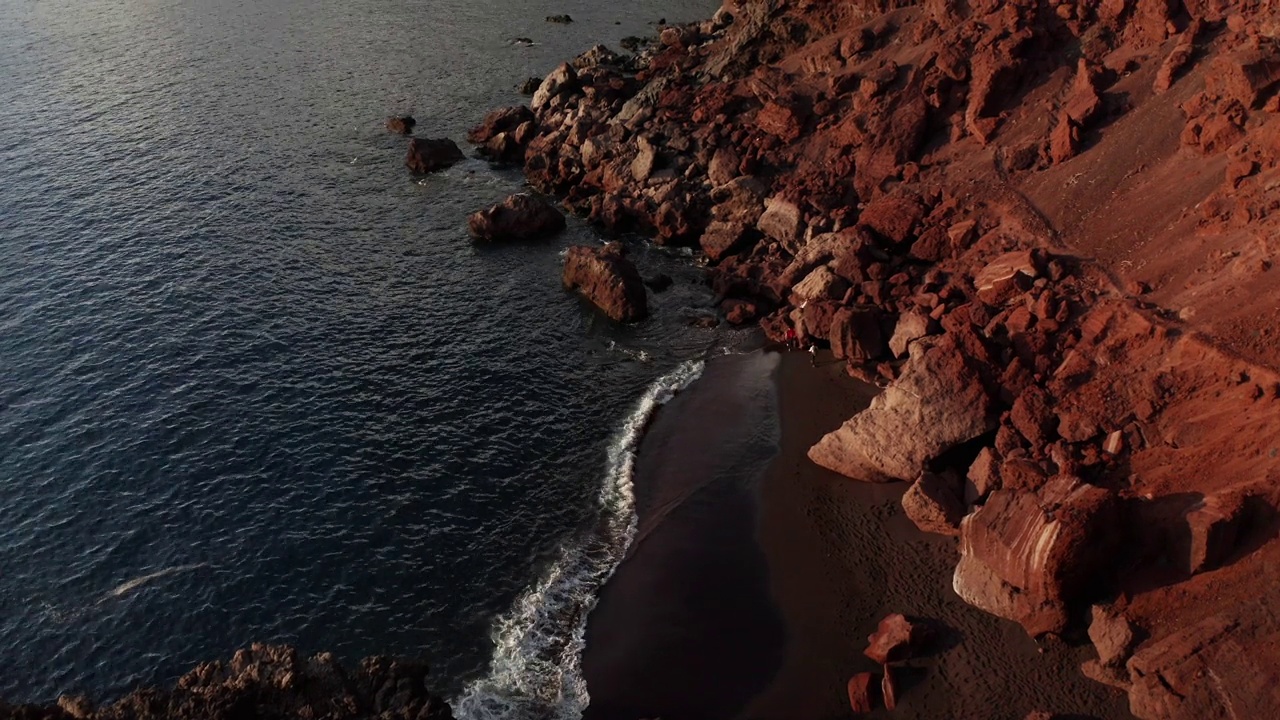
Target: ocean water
256	383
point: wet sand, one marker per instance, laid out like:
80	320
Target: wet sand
753	597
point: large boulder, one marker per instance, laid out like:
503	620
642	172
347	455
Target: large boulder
854	334
520	217
1031	557
428	155
936	403
608	279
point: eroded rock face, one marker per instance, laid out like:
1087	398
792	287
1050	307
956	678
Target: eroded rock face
427	155
272	682
933	503
1031	557
520	217
608	279
1205	671
936	403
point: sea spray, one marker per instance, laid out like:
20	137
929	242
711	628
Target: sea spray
536	667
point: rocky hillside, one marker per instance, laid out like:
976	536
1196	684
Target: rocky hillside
1047	229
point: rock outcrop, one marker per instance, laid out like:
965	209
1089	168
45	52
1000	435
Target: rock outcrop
270	682
938	402
520	217
607	278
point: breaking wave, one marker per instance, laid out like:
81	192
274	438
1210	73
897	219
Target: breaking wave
536	673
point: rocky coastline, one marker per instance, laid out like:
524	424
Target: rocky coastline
1045	228
1023	221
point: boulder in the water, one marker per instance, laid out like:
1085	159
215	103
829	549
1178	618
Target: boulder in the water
401	124
428	155
519	217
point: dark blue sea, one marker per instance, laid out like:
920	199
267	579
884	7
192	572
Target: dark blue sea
256	382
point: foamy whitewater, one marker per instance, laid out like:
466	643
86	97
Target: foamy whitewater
536	667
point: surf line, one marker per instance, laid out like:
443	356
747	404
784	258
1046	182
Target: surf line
536	669
129	586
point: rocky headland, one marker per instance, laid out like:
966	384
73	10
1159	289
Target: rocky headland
1046	230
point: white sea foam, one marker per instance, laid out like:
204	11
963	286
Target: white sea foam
131	585
535	673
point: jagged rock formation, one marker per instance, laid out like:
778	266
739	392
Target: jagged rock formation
269	682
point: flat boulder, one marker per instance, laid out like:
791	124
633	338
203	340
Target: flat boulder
722	238
936	403
520	217
1030	557
607	278
427	155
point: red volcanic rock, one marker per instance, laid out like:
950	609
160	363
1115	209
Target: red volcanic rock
1112	635
499	121
782	118
1006	276
1030	556
821	284
401	124
911	326
519	217
933	503
722	238
1213	526
854	334
1204	671
936	403
740	312
781	220
563	80
860	693
607	279
896	638
428	155
1244	75
893	217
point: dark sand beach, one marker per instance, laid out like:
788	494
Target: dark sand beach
756	576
